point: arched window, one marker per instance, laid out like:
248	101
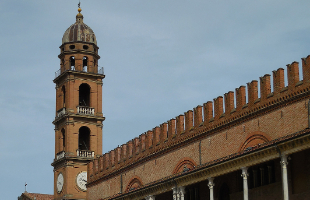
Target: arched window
84	95
72	63
63	134
85	64
63	89
84	138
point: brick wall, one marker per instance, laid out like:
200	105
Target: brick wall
203	136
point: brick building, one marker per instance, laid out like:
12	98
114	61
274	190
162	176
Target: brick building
249	144
258	149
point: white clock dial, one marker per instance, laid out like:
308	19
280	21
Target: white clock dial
81	180
60	182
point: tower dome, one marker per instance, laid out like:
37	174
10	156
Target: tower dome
79	32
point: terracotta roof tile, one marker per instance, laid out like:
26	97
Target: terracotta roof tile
38	196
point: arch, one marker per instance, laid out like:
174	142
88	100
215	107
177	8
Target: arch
84	95
84	138
134	183
224	192
63	90
253	139
184	165
72	63
85	64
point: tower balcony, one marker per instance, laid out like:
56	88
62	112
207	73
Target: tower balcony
82	69
60	155
61	112
85	153
85	110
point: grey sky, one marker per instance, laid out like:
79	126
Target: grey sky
161	58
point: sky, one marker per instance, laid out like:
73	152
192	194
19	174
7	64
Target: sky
161	58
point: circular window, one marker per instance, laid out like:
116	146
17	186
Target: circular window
72	46
85	47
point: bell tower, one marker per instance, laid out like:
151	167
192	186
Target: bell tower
78	120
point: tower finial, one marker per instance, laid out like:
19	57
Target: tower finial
79	9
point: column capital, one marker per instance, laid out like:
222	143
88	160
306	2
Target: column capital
150	197
211	183
244	174
283	161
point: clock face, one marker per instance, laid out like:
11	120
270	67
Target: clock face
81	180
60	182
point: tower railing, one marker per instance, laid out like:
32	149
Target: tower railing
85	110
72	68
85	153
61	112
60	155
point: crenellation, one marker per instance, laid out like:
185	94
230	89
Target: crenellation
163	132
170	132
137	145
130	149
112	156
101	163
149	139
124	151
188	120
278	80
240	97
265	87
118	154
142	138
180	124
218	107
252	92
171	128
107	160
306	69
229	102
292	74
156	133
208	112
197	116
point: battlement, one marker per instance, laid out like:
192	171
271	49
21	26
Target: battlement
207	119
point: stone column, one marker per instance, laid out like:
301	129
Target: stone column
211	185
245	175
178	193
284	177
175	193
150	197
182	193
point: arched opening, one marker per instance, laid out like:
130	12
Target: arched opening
72	63
84	138
63	90
84	95
63	134
85	64
224	192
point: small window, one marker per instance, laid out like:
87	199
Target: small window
85	47
72	46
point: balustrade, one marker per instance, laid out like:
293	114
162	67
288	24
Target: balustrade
85	110
85	153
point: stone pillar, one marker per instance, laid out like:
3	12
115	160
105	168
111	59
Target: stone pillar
150	197
284	177
211	185
178	193
182	193
175	193
245	175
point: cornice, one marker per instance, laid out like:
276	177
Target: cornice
287	145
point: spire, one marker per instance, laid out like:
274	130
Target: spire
79	16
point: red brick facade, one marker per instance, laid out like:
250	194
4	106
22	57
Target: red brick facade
206	140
